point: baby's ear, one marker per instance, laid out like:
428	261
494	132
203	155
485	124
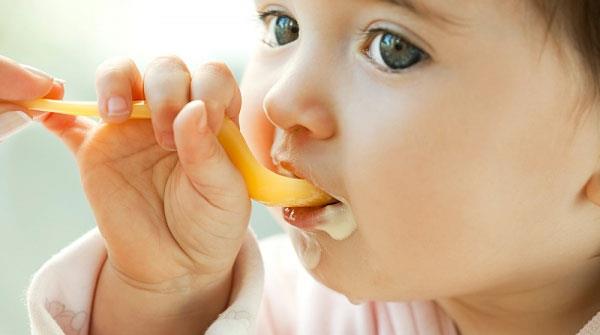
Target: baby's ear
592	189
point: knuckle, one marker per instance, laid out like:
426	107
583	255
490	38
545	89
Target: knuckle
129	63
214	81
108	74
111	80
115	66
168	63
214	69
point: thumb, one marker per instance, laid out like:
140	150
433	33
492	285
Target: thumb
19	82
204	160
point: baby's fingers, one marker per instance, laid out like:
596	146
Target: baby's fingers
167	90
118	82
204	160
215	84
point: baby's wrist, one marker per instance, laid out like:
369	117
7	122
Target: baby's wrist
122	305
179	286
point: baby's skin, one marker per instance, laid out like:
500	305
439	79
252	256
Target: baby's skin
460	135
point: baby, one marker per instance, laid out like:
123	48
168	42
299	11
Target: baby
459	138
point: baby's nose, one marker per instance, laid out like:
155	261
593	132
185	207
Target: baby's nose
298	100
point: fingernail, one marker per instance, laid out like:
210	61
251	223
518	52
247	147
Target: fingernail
117	108
37	72
62	82
167	141
12	122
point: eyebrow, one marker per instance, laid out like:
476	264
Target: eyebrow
408	4
419	9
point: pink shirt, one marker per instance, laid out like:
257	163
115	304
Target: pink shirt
282	299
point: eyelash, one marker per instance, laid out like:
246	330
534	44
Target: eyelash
368	36
265	15
265	18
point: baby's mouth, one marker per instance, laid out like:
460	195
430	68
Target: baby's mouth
334	218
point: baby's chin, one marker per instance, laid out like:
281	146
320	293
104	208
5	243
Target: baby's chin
337	263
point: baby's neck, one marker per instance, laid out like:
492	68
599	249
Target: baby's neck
562	306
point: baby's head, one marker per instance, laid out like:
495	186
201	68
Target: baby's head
463	136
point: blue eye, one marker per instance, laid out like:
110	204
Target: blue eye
286	30
394	52
281	29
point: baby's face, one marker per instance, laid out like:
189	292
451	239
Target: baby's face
447	128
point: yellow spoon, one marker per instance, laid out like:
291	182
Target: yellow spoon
263	185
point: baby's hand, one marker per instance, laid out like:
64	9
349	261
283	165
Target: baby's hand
173	221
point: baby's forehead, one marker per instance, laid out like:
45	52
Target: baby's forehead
433	9
444	13
444	10
458	12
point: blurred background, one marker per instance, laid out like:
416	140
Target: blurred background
42	205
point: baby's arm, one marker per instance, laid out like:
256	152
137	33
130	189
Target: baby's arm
173	221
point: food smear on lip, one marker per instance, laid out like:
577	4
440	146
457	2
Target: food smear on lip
335	220
339	227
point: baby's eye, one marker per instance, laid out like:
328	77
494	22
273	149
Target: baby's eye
281	29
393	52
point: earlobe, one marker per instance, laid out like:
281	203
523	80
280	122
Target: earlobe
592	189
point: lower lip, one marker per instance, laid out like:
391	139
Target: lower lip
306	217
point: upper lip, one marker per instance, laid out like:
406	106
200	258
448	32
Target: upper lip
282	157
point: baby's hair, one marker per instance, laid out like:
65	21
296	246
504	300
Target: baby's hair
580	20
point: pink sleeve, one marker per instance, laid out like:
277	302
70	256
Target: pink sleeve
60	296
